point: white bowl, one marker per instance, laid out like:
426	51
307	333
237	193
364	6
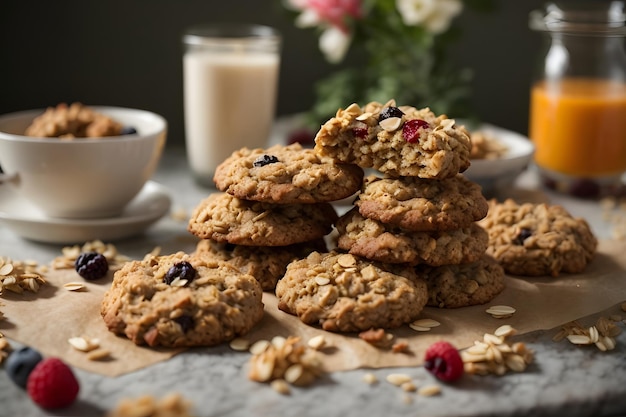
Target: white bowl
81	178
496	174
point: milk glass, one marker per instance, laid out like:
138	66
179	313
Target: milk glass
230	77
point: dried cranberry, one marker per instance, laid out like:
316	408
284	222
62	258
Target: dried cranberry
410	131
523	235
444	361
263	160
388	112
185	322
359	132
182	270
91	265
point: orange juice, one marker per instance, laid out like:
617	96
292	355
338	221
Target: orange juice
578	126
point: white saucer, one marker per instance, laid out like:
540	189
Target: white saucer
19	215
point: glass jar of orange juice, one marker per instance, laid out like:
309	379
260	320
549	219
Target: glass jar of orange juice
577	117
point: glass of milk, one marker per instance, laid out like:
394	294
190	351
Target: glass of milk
230	78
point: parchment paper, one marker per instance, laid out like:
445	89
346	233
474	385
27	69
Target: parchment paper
46	320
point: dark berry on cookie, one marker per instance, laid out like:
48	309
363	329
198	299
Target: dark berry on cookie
185	322
388	112
181	270
410	131
91	265
523	235
263	160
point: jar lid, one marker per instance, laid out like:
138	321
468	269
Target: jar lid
591	18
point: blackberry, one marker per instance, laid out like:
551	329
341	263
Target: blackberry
20	363
91	265
388	112
263	160
182	270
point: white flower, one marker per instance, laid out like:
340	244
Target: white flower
434	15
334	43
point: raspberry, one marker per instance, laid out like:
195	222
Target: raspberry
359	132
182	270
444	361
52	384
410	131
21	363
91	265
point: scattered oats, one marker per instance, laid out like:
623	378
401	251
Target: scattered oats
146	405
602	335
278	341
504	331
500	311
239	344
281	386
493	355
370	378
290	361
398	379
317	342
84	344
71	253
429	390
98	354
74	286
409	387
259	346
424	325
19	276
419	328
180	214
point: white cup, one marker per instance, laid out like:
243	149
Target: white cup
230	77
81	178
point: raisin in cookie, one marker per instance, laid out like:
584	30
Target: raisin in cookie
422	204
266	263
538	239
342	293
454	286
224	218
398	141
374	240
286	175
178	301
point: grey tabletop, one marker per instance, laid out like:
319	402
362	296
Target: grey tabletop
564	379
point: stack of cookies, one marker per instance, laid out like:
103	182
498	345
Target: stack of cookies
418	210
273	207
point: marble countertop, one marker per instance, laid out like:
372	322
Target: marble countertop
564	379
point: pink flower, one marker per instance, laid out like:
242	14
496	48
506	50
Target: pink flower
327	12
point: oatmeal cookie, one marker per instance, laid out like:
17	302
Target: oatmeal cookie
422	204
224	218
266	263
453	286
538	239
179	300
374	240
74	121
342	293
286	175
398	141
